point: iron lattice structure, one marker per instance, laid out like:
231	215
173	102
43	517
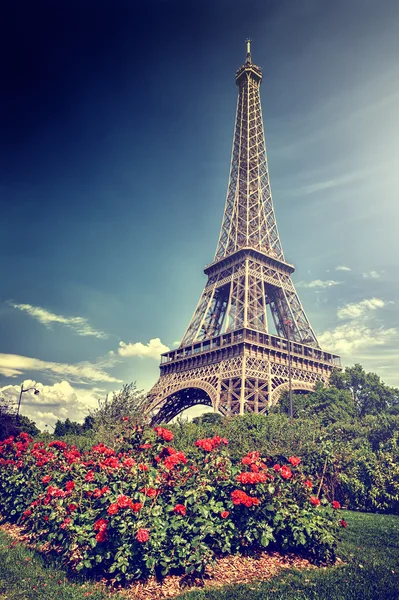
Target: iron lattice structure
227	358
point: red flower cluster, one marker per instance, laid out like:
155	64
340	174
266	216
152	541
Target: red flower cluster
250	458
58	444
294	460
343	523
174	458
180	509
69	486
66	522
224	514
335	504
308	483
97	493
46	479
89	476
165	434
210	444
252	478
103	449
142	535
123	501
239	497
286	472
101	527
149	491
314	500
112	509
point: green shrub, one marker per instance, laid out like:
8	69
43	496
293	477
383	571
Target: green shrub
146	508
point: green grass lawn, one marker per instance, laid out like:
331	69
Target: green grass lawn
370	549
25	575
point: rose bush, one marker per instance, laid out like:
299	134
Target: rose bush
144	508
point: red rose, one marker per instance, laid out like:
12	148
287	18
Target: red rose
224	514
46	479
313	500
112	509
101	536
246	460
65	523
145	446
294	460
143	467
308	483
72	507
180	509
136	506
165	434
335	504
100	524
123	501
277	467
89	476
142	535
286	472
125	419
150	492
343	523
69	486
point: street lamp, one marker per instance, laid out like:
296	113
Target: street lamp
36	392
288	324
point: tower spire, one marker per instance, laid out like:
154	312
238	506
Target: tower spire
249	60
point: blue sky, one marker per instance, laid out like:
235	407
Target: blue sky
117	124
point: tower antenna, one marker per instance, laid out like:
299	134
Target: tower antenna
248	41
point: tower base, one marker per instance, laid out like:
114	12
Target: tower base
238	372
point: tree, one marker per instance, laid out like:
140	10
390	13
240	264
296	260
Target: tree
28	426
370	395
208	418
9	425
128	402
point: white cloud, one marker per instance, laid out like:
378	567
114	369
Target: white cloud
47	318
353	336
153	349
360	332
359	309
342	268
372	275
58	401
318	283
12	365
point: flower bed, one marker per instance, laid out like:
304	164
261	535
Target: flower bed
144	508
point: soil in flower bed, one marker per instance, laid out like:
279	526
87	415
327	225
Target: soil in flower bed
228	570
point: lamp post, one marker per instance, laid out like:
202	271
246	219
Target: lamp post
288	324
36	392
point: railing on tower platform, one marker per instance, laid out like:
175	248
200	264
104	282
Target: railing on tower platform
256	338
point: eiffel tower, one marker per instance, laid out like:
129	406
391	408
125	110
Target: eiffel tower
228	359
